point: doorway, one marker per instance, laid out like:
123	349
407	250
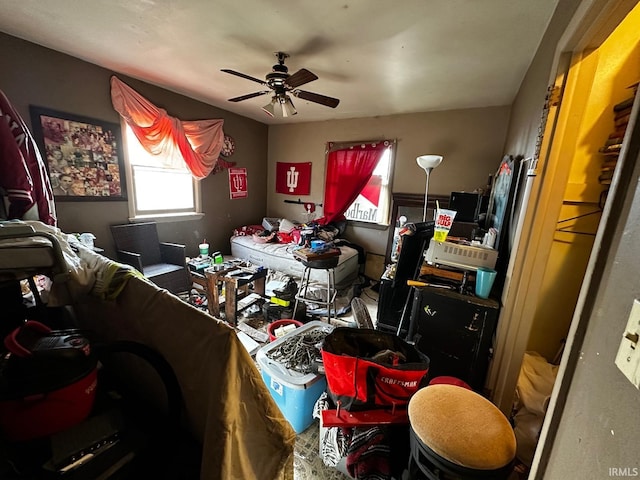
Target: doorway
542	304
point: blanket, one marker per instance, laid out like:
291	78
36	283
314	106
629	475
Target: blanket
227	406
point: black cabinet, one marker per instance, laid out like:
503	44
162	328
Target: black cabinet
456	332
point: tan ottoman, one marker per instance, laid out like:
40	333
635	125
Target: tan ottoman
459	433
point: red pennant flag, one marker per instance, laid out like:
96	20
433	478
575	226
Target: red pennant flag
371	190
238	183
293	178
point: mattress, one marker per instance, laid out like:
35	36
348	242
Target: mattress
279	257
25	252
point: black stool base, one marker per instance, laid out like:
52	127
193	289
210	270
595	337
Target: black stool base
424	463
328	265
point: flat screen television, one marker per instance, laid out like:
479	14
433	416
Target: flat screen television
505	199
505	205
499	200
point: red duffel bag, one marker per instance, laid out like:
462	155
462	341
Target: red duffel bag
369	369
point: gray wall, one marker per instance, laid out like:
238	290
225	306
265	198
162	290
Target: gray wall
526	110
599	427
33	75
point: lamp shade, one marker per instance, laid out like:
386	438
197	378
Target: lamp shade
269	107
429	161
280	105
288	109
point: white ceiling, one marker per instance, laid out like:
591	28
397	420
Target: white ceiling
378	57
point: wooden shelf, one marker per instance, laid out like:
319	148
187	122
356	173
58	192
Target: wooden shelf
456	275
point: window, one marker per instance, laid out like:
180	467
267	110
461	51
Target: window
159	185
373	203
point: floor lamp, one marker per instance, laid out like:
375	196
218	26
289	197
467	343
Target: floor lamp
428	162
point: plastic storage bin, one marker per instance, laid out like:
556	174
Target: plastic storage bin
295	393
271	329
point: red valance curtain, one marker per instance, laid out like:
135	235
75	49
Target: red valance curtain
199	142
349	168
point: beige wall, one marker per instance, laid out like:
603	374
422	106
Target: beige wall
32	75
471	142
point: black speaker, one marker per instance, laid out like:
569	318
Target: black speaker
467	206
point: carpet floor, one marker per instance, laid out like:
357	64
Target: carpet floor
308	464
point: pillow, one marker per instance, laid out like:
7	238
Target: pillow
328	233
286	225
247	230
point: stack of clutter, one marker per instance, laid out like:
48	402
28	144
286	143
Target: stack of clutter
282	298
613	144
533	393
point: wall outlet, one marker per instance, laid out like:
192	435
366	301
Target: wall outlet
628	357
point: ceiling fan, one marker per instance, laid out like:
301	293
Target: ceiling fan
281	83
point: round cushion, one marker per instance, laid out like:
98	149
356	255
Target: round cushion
462	426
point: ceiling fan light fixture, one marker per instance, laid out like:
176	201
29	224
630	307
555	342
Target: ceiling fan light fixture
269	108
288	110
282	83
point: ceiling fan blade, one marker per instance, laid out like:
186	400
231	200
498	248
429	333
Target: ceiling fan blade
317	98
248	77
301	77
249	95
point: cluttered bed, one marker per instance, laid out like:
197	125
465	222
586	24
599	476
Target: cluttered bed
224	404
272	245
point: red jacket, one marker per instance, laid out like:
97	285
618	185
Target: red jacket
23	173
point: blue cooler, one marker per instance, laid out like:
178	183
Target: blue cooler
295	393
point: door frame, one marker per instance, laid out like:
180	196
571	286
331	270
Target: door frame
592	23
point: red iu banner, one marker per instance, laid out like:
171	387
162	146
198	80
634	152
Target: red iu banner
238	183
293	178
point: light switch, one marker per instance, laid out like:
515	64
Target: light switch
628	357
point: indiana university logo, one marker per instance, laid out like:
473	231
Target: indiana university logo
237	183
292	178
